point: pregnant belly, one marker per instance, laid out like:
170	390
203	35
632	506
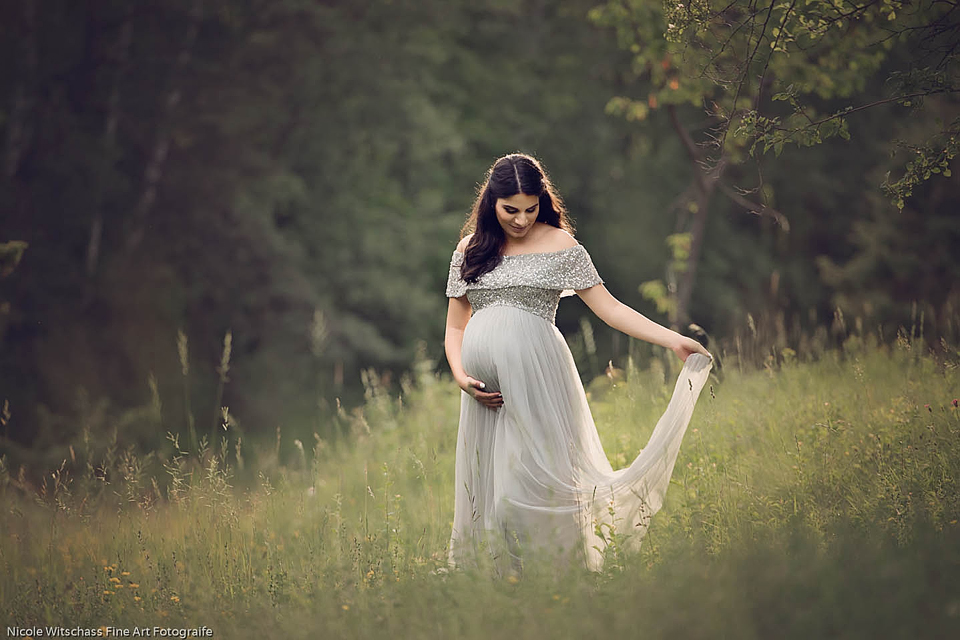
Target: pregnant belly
482	349
503	340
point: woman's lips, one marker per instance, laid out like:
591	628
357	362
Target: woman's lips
517	229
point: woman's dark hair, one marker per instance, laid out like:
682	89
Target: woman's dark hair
509	175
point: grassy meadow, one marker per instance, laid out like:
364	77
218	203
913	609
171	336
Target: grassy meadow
810	499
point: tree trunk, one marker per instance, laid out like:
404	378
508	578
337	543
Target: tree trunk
155	164
23	95
121	60
705	183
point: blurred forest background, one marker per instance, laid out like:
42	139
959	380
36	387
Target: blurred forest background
286	180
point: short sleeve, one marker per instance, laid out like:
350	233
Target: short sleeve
576	271
456	287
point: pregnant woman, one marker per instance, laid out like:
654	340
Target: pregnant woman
531	474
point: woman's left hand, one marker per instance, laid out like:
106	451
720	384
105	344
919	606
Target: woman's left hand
685	346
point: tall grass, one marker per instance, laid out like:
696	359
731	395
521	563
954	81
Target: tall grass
810	499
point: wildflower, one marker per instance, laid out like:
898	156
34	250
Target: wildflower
107	592
124	573
175	598
513	579
115	579
136	598
134	585
956	402
927	407
345	607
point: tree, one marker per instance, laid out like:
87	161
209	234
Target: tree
738	60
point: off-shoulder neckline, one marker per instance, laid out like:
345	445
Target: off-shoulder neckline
534	253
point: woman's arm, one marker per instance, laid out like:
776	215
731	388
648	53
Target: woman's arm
458	314
623	318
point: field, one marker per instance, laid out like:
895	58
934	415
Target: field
810	499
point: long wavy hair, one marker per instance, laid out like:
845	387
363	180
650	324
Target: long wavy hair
512	174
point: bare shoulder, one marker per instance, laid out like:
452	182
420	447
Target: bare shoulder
462	246
556	239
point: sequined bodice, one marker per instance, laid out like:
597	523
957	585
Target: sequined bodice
534	282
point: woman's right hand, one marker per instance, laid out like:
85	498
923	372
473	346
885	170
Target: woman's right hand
475	389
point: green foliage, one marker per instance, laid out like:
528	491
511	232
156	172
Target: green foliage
730	57
664	296
307	158
298	173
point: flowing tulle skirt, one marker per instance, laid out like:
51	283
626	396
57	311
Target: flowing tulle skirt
532	476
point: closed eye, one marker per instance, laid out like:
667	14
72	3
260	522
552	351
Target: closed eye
514	210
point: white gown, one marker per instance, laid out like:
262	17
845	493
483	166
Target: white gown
532	475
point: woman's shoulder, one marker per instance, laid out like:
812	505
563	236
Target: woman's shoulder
556	239
462	245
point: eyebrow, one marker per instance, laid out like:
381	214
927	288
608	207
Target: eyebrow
515	207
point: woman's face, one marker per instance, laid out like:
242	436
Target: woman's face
517	214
